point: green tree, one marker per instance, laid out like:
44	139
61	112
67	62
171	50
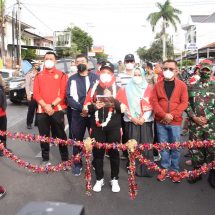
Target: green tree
29	54
68	52
81	38
101	56
168	15
154	52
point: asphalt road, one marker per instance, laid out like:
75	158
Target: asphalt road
163	198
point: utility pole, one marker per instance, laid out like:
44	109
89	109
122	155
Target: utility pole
13	36
19	32
2	26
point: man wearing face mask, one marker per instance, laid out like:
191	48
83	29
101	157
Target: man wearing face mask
50	93
122	80
73	68
77	88
29	86
202	119
169	100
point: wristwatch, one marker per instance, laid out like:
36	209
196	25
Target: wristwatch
52	105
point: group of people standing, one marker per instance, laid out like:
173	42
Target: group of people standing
137	104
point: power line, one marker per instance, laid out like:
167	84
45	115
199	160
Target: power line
117	6
37	17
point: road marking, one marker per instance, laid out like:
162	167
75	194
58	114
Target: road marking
39	155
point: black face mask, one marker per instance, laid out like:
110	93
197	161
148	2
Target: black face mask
81	67
38	69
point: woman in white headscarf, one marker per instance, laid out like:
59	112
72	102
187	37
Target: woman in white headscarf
138	115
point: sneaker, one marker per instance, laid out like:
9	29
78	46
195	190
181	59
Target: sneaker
46	163
98	185
193	180
2	192
107	155
157	158
115	186
29	127
188	155
77	169
123	157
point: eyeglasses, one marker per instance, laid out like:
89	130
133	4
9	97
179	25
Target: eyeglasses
166	68
129	61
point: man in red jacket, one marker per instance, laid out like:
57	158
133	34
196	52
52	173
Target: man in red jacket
169	100
50	94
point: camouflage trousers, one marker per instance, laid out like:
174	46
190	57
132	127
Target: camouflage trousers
203	155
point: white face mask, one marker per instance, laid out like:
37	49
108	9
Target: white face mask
105	78
137	79
129	66
49	64
168	74
73	69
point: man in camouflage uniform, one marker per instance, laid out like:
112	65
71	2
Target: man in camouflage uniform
201	111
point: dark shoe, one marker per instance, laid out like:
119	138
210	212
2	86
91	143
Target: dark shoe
193	180
188	155
29	127
2	192
1	152
77	169
211	178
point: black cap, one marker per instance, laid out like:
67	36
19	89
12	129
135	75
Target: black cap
129	57
107	65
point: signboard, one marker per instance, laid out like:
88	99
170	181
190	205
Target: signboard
191	46
98	49
62	39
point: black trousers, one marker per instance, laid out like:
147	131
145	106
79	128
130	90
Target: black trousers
69	118
78	128
125	136
108	136
3	127
55	125
32	107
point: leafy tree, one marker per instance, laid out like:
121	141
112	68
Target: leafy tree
168	15
101	56
154	53
29	53
186	63
81	38
68	52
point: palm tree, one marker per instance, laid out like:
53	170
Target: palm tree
168	15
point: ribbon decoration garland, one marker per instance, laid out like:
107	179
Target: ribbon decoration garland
70	142
65	165
87	146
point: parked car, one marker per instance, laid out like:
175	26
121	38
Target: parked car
7	75
17	92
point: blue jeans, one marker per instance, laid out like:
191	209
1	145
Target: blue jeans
169	133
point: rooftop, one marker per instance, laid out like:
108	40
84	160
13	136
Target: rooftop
203	18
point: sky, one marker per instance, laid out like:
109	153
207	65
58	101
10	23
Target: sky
118	25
